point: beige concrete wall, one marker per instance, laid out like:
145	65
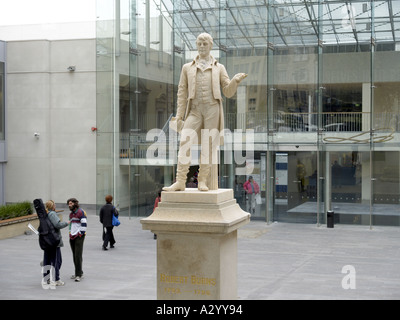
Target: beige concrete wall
44	97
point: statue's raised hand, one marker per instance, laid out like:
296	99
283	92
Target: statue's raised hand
239	77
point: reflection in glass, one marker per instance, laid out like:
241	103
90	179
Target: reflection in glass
323	91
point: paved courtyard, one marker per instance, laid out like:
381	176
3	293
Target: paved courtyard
276	261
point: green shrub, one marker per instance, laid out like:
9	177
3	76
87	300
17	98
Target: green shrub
16	210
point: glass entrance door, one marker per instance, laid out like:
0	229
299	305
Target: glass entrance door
348	175
385	185
295	194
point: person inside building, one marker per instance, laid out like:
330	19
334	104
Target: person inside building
252	189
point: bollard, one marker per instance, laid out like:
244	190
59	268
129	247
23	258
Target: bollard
330	218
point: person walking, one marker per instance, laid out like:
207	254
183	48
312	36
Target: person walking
106	213
77	233
252	189
53	256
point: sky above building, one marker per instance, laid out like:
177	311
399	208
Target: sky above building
22	12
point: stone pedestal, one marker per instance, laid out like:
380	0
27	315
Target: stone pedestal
196	244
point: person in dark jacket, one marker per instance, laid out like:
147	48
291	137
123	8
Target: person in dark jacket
53	256
106	213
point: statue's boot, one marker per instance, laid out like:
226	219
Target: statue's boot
204	172
181	176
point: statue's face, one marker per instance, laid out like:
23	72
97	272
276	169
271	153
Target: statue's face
203	47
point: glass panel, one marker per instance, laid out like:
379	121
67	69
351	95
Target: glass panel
244	49
293	90
2	100
147	99
270	186
250	180
105	100
385	97
345	93
349	182
320	185
386	168
296	187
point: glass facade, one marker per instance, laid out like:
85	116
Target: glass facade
316	122
3	144
2	100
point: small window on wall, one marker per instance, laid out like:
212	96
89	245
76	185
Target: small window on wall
2	100
252	104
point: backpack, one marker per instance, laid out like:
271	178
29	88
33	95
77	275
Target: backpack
49	238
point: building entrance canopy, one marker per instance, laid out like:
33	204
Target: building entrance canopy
250	24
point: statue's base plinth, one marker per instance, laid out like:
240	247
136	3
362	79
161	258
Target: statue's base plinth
197	244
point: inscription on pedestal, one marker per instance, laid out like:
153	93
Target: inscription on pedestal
187	285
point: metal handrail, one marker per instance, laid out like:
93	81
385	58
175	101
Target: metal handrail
134	144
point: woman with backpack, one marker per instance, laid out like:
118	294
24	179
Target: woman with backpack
53	256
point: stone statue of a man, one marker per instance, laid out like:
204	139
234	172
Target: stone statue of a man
200	111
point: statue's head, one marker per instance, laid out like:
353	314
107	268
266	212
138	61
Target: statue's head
205	37
204	45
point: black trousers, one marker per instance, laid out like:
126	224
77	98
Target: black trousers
108	236
77	251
